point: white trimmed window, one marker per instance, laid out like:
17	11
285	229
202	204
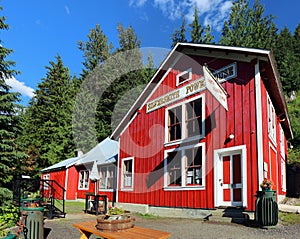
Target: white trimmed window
283	176
46	177
184	76
282	148
271	121
107	175
184	167
127	173
83	179
185	121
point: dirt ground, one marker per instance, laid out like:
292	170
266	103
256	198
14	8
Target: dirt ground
179	228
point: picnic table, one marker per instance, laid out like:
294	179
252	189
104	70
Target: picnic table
88	228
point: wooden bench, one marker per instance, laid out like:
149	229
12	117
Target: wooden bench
88	228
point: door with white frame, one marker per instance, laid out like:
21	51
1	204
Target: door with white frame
230	176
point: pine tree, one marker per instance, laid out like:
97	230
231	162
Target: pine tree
96	50
179	35
10	154
48	127
287	63
248	27
93	82
196	28
196	32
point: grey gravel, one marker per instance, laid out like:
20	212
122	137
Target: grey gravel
179	228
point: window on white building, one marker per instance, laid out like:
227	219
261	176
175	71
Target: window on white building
127	173
184	167
83	179
185	120
271	121
107	174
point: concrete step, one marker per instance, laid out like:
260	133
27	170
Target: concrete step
231	215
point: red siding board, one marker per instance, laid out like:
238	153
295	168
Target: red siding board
148	149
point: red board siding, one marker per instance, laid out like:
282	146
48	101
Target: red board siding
147	145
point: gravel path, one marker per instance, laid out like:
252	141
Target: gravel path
179	228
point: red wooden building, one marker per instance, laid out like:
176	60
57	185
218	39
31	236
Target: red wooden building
74	174
179	147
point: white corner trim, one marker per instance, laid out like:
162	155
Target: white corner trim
258	108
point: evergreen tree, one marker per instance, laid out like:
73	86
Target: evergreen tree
127	77
248	27
196	28
93	81
288	65
10	154
95	51
179	35
47	127
196	32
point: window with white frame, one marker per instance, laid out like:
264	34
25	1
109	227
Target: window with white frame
282	148
184	167
128	172
271	120
184	76
185	120
83	179
283	176
46	184
107	174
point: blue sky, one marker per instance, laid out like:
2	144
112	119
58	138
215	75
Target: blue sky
39	30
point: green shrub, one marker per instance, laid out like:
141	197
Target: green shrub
5	197
9	215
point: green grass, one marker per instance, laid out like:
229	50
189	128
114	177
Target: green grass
289	218
147	215
74	207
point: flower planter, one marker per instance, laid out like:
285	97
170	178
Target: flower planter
114	222
9	236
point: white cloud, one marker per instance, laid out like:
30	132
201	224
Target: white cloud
137	3
20	87
67	10
214	12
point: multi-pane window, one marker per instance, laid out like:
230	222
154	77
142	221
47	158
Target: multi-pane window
184	167
83	179
271	120
127	173
193	166
193	118
174	123
46	184
174	168
185	121
107	177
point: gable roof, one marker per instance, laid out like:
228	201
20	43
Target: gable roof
103	153
61	165
225	52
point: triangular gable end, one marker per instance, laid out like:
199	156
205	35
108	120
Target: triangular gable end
188	49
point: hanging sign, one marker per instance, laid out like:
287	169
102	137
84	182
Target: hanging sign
215	88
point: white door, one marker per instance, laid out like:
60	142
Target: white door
230	176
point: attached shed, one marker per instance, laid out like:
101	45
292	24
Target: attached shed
180	148
74	173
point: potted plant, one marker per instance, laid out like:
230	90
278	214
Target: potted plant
266	184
